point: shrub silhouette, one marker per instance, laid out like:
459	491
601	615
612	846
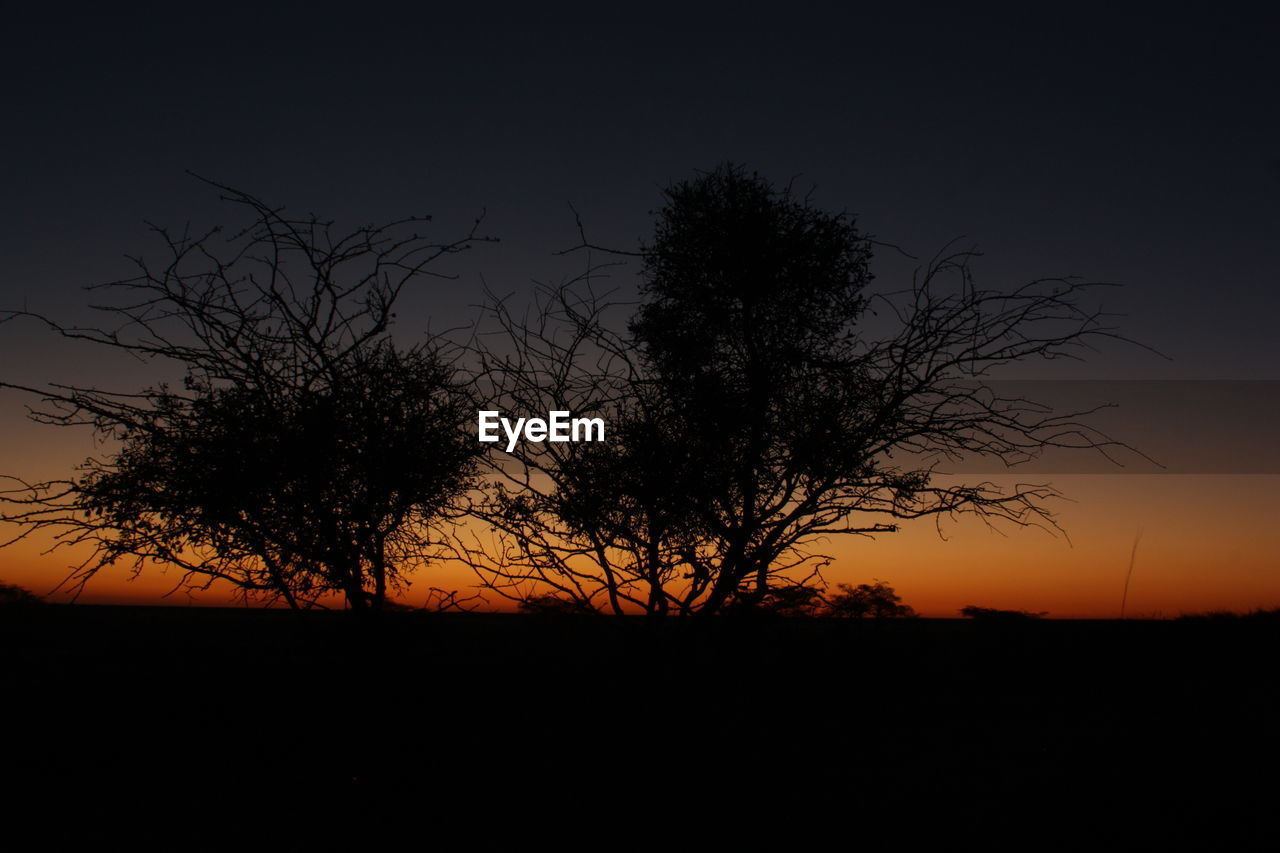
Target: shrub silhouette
12	595
552	604
876	600
793	601
991	614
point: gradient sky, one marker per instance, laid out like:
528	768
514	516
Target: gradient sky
1068	142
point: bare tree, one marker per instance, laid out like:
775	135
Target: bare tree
305	452
752	413
544	533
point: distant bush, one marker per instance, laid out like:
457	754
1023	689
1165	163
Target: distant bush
12	595
1270	614
390	606
786	601
876	600
549	603
991	614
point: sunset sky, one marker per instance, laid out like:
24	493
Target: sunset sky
1129	150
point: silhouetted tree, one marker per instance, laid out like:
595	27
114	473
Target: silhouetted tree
795	601
877	600
752	412
305	452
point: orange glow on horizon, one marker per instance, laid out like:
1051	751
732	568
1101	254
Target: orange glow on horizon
1207	543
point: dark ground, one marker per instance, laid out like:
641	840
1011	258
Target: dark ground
238	729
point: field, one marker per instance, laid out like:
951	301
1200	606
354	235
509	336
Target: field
189	728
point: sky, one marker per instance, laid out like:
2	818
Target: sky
1060	142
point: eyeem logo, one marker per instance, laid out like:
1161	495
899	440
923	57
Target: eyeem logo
557	427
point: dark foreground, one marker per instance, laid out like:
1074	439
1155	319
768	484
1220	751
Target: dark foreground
230	729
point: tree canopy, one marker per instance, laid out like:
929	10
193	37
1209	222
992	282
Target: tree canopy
306	452
752	414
